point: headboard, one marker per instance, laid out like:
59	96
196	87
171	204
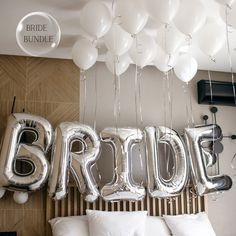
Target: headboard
188	202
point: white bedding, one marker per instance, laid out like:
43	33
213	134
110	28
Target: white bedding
190	225
120	223
78	226
180	225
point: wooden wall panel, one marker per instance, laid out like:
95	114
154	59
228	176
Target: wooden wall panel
46	87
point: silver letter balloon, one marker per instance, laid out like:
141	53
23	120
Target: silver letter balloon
15	148
158	186
78	162
123	186
199	160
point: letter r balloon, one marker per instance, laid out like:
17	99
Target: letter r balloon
78	162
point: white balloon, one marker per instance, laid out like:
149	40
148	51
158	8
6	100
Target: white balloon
84	54
170	39
211	37
2	192
117	40
163	10
163	61
121	63
190	17
186	67
20	197
133	17
226	2
95	18
143	50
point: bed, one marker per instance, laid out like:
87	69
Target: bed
188	202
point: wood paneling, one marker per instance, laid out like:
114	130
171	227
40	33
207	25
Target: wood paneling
45	87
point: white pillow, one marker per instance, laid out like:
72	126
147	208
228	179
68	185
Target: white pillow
78	226
156	226
70	226
190	225
104	223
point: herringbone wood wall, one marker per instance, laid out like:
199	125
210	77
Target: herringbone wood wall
45	87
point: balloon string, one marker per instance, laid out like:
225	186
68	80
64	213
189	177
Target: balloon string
78	93
170	104
116	78
118	97
229	54
171	117
168	95
210	83
95	123
96	100
118	93
233	166
113	9
167	102
115	98
136	85
164	107
116	106
138	102
213	134
115	114
191	105
164	98
213	121
218	164
214	168
186	104
84	80
188	93
141	116
140	95
138	108
213	140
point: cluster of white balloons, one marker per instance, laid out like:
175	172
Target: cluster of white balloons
122	29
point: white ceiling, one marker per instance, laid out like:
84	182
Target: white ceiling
67	13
